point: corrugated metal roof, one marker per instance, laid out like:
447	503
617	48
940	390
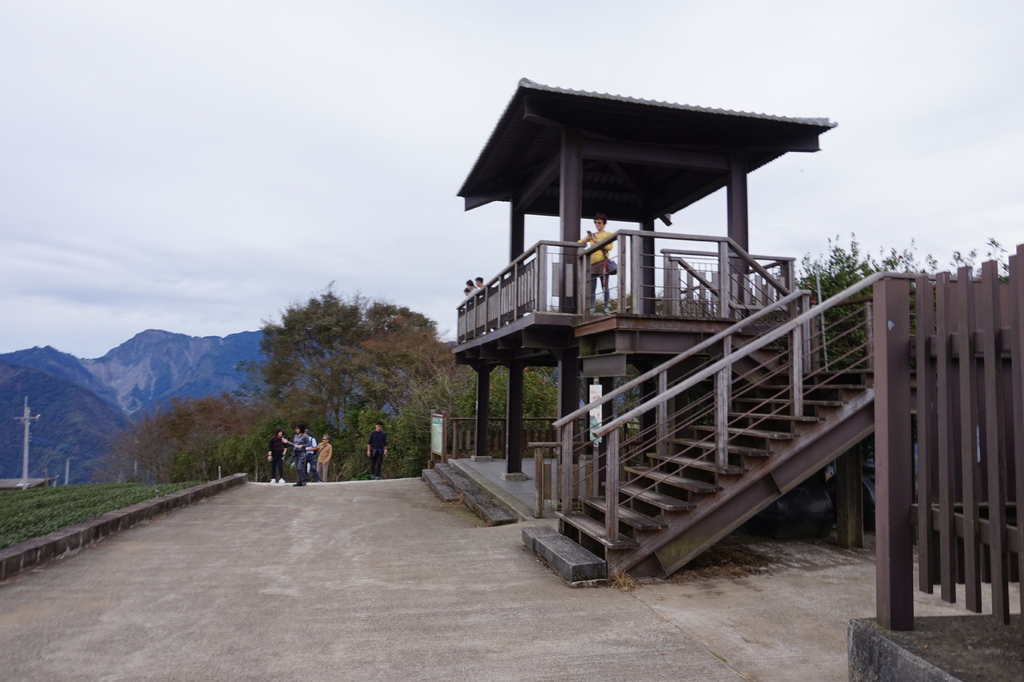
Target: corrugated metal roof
532	85
528	135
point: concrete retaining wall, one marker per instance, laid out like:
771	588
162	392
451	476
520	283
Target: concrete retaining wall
32	553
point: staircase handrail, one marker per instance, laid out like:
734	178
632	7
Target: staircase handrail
736	248
728	360
690	352
748	258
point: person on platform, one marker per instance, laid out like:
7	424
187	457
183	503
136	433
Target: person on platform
599	260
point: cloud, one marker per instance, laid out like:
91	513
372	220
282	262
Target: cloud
196	166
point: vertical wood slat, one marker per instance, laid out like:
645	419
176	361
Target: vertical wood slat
611	518
927	434
948	437
796	377
1017	379
565	469
894	567
968	438
995	443
724	281
723	398
662	416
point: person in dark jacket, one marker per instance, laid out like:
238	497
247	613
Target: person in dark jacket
275	455
376	449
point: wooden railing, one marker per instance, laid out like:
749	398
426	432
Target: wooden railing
657	276
962	339
462	435
543	279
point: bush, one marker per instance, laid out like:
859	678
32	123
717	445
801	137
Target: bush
27	514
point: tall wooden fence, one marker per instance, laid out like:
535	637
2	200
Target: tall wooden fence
953	479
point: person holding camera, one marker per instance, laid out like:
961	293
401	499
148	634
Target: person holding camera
599	260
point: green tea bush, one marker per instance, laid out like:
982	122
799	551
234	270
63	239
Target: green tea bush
27	514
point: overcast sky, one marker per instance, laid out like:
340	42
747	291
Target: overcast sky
197	165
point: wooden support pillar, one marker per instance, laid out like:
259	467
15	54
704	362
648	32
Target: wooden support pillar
514	422
517	233
850	499
570	193
894	560
483	409
737	211
647	272
568	381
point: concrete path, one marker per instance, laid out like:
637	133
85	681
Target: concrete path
378	580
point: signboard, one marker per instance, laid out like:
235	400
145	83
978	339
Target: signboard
436	432
595	414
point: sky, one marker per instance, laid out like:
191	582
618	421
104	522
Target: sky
199	166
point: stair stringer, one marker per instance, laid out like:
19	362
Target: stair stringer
688	534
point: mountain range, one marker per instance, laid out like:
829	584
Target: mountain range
85	403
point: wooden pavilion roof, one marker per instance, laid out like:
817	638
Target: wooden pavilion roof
641	159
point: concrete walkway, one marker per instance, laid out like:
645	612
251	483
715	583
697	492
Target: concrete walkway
378	580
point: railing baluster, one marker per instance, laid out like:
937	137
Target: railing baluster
566	474
723	396
611	487
796	368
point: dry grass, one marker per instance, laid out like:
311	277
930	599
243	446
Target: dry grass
622	581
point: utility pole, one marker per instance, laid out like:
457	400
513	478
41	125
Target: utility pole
26	419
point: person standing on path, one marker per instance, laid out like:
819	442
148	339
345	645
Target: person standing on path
275	455
300	450
324	458
376	449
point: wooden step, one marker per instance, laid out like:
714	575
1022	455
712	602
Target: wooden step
595	529
630	517
756	433
702	464
741	450
779	417
440	486
678	481
786	401
475	497
656	499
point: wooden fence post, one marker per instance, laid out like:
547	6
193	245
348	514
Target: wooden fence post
894	564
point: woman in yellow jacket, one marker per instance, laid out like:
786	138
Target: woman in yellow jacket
598	267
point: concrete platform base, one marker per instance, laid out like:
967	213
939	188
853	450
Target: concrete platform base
939	649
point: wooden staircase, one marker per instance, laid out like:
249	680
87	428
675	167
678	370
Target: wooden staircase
690	465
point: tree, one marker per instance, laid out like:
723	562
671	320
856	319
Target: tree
333	355
188	441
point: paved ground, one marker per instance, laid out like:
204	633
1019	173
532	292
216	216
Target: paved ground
378	580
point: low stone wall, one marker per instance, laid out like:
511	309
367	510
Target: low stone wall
32	553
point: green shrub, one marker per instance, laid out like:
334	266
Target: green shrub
27	514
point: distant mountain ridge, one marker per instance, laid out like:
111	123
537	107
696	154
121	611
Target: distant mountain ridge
75	424
151	367
86	403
